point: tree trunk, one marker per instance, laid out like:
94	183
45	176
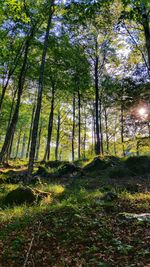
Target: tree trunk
106	129
145	22
40	91
30	132
79	125
73	126
100	124
84	144
12	125
50	127
57	137
12	106
122	124
97	145
18	143
38	143
23	146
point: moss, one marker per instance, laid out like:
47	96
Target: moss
138	165
68	168
96	164
119	172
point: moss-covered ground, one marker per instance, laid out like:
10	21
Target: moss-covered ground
76	225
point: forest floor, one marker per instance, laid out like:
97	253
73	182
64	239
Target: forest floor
86	220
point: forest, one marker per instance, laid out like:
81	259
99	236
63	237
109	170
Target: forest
74	133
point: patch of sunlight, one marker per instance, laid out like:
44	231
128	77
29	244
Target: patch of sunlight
5	188
10	213
20	212
46	201
53	188
135	197
95	194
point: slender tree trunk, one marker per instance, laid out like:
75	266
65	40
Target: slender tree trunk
84	144
97	146
145	22
57	136
79	125
148	124
38	142
137	148
23	146
100	124
73	126
12	125
30	132
50	127
106	129
18	143
122	124
8	156
115	150
12	106
40	91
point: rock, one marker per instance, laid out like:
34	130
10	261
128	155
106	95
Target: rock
110	196
68	168
19	196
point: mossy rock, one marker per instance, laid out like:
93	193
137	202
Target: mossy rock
138	165
19	196
112	161
42	170
68	168
96	164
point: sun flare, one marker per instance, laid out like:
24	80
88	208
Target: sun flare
142	111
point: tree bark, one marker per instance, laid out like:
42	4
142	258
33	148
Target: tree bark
50	126
40	91
97	145
84	141
30	132
106	129
145	23
122	123
38	142
79	125
73	126
18	143
23	146
100	125
57	136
